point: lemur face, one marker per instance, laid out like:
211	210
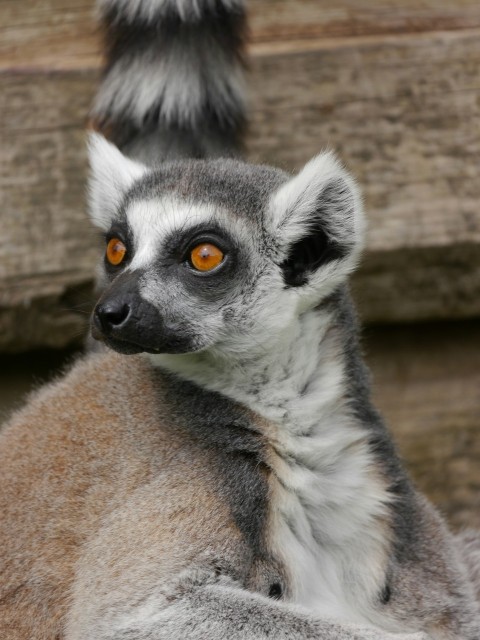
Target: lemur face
205	255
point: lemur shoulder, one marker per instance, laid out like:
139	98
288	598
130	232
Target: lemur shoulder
219	470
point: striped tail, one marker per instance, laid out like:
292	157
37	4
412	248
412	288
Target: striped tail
173	84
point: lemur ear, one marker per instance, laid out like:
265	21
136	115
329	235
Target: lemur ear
111	175
317	221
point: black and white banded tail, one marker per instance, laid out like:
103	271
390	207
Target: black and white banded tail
173	83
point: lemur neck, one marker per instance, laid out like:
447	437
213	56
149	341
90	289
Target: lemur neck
329	499
296	380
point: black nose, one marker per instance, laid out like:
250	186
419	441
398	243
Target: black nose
111	315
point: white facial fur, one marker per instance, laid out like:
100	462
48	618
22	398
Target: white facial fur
261	310
264	307
151	222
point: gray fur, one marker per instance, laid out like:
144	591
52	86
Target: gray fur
219	426
174	84
189	11
242	189
216	612
468	543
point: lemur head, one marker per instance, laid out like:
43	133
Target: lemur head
219	254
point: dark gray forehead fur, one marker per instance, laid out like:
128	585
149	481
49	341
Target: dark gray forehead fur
241	188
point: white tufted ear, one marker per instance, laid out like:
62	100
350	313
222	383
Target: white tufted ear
111	175
316	219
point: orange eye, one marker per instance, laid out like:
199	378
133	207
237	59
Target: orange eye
206	257
116	251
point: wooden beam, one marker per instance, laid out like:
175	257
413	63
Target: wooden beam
61	34
280	20
426	383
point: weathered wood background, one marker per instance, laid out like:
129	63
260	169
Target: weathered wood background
393	86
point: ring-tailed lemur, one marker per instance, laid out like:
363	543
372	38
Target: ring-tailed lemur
236	481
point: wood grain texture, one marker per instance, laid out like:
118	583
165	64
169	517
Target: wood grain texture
402	111
61	34
48	34
427	382
47	247
275	20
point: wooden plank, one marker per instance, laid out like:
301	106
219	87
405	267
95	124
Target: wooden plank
47	247
412	284
426	382
403	112
48	34
63	34
274	20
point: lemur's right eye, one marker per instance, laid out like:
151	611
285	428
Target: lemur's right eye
116	251
206	256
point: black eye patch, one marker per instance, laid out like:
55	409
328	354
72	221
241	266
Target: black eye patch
119	229
180	242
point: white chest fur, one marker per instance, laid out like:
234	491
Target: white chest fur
329	502
327	513
328	507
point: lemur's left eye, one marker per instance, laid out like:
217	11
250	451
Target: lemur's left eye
206	256
116	251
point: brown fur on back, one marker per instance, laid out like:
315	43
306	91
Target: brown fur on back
80	468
